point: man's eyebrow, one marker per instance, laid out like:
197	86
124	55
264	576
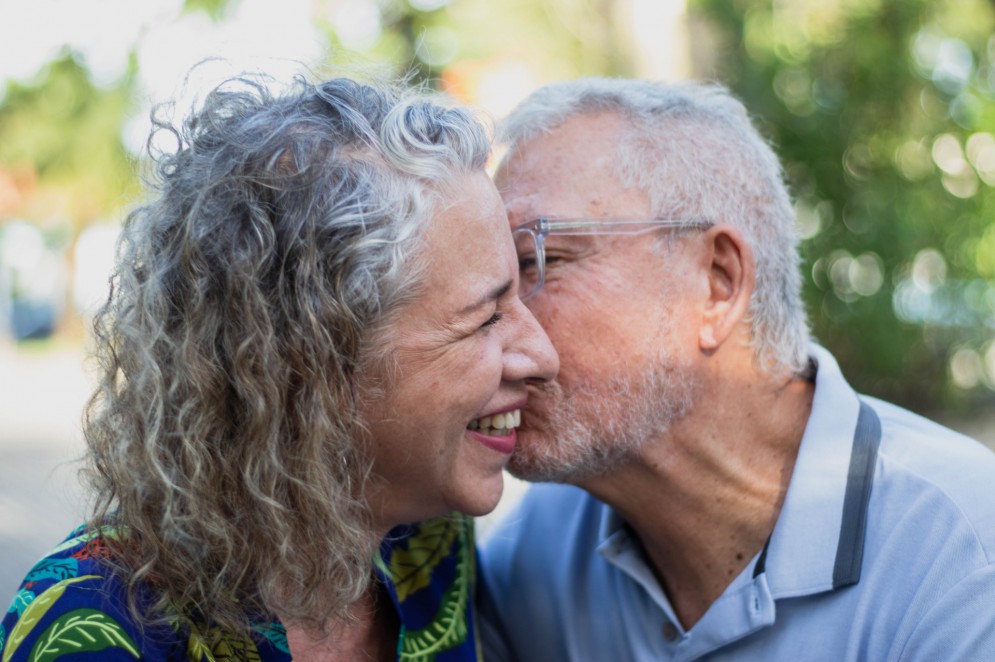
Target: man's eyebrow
493	295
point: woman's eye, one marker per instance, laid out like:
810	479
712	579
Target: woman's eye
494	319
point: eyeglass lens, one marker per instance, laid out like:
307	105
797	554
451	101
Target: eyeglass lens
529	247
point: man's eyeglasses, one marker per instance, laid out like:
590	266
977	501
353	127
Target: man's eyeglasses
530	240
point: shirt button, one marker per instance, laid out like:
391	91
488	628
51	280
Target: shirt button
669	631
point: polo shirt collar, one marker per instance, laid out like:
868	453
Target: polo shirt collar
817	543
810	538
745	607
620	546
811	535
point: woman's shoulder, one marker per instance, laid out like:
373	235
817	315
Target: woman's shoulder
71	601
74	603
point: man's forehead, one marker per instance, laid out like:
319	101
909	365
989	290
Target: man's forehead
522	209
554	161
589	132
524	188
572	172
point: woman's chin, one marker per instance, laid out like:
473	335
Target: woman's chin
484	498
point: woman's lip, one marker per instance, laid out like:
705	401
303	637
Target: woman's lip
504	444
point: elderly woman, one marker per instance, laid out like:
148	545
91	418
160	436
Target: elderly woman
313	346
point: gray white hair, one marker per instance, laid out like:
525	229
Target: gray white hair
222	437
692	148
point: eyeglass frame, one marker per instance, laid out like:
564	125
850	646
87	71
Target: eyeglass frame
542	227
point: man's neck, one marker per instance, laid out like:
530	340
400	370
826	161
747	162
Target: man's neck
704	499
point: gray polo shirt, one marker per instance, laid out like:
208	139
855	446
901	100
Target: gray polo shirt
883	551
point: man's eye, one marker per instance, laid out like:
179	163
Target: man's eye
526	263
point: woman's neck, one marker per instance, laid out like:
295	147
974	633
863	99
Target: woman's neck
370	633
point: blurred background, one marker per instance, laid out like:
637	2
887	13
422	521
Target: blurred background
883	112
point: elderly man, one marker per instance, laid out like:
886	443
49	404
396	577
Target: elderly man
729	497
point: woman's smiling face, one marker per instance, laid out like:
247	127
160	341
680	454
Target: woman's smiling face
462	355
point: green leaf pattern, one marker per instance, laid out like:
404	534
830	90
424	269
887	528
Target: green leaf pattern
411	566
57	569
449	626
81	630
276	634
20	602
234	648
35	612
85	535
197	648
216	645
74	542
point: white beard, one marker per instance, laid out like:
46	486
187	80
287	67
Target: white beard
594	427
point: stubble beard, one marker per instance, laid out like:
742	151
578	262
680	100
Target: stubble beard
589	429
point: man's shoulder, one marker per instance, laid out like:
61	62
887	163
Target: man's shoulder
539	573
948	476
541	497
934	453
533	536
546	510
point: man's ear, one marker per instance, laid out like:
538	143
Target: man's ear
731	279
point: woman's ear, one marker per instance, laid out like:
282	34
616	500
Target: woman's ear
731	279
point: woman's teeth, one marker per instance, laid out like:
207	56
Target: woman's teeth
498	424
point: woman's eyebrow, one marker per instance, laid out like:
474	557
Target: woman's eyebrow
493	295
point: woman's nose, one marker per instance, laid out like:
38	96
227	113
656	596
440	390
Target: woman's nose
530	356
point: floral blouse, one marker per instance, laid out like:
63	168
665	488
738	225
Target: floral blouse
71	606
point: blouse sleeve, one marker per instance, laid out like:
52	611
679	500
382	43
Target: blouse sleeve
70	606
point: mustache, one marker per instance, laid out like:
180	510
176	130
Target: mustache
555	391
545	389
547	400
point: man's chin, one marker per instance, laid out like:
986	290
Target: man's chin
571	435
565	457
533	473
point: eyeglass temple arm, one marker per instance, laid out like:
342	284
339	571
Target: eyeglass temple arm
585	226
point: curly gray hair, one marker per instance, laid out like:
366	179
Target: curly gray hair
693	150
284	231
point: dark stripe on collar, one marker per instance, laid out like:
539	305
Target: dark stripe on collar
761	566
860	480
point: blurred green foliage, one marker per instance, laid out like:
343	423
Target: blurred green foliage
213	8
64	133
883	113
